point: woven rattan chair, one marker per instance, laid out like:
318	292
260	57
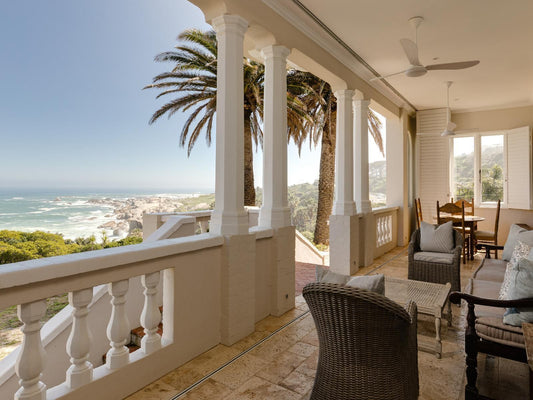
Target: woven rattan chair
368	344
435	272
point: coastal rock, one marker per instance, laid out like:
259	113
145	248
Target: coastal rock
108	225
134	224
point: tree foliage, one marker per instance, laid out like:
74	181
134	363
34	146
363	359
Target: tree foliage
18	246
491	175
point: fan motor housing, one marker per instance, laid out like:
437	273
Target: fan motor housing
416	70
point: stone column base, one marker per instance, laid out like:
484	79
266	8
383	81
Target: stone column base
283	274
344	244
367	239
237	288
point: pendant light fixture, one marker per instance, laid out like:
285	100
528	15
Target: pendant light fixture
450	126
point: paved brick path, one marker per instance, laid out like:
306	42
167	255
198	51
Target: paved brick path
305	273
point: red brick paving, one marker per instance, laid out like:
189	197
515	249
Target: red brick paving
305	273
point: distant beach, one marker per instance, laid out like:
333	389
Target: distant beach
85	213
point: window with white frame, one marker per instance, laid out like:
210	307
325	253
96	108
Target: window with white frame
493	166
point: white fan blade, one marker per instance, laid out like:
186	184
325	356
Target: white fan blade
386	76
411	51
455	65
450	126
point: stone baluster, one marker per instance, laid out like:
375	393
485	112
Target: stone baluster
118	329
79	341
204	225
30	361
150	316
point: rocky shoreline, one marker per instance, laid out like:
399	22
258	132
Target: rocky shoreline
128	213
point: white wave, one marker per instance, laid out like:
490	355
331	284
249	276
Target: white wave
46	209
175	195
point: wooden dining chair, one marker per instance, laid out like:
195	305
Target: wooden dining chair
469	206
490	237
450	209
418	212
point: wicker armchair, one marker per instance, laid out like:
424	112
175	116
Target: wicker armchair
368	344
436	272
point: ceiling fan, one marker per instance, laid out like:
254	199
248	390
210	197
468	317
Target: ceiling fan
450	126
416	68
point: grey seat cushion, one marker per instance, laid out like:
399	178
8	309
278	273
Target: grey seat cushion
484	235
374	283
326	276
487	290
493	329
429	256
491	270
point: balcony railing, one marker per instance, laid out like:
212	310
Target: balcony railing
386	229
28	284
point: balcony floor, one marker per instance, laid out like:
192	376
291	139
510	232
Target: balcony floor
283	365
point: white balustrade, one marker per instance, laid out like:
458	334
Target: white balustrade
204	225
118	330
79	341
30	362
383	229
386	226
150	316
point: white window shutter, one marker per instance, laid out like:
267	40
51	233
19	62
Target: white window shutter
433	181
519	168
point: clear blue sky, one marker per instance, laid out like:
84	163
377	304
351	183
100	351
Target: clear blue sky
72	112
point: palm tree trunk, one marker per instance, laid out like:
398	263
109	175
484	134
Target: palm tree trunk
249	188
326	183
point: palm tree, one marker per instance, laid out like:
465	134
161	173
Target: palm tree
321	104
194	80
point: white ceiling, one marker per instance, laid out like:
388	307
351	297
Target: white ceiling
499	33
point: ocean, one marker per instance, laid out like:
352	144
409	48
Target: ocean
67	212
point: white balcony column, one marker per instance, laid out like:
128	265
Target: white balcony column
343	223
229	216
398	171
30	361
79	341
362	194
275	212
367	223
344	203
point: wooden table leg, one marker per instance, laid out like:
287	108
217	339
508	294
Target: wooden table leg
438	346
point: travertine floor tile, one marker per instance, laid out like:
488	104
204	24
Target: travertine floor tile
303	349
298	382
212	359
279	369
208	390
181	378
238	372
260	389
157	390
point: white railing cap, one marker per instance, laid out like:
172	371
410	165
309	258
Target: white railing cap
43	269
